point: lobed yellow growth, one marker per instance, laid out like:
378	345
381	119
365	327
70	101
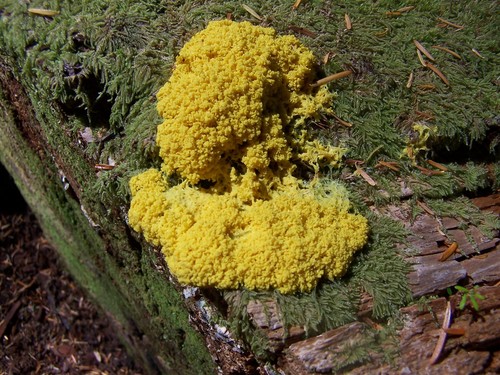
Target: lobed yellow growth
287	242
234	89
233	110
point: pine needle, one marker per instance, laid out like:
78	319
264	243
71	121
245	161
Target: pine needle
332	77
388	164
365	176
251	11
438	73
442	335
452	249
410	80
348	23
426	208
447	50
422	49
476	52
437	165
43	12
420	57
296	4
342	122
405	9
448	23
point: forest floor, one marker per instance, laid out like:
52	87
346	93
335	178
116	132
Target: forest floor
47	324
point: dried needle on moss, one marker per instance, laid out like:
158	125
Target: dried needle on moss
332	77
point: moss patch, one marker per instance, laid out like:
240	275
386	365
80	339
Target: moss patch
100	64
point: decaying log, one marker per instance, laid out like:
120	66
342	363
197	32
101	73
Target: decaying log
477	261
472	352
323	353
267	317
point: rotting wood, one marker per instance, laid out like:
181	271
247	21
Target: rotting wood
430	276
472	352
478	263
266	317
324	352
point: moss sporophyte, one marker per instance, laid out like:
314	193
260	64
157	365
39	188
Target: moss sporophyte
234	111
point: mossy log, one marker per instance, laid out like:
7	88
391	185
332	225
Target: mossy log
78	119
149	314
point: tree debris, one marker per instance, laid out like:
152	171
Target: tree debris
331	78
442	335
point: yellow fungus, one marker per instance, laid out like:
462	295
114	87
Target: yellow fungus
234	110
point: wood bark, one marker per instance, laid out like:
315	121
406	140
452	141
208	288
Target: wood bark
474	347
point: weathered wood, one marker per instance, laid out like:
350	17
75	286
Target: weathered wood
473	352
491	203
428	241
429	275
266	317
478	262
322	353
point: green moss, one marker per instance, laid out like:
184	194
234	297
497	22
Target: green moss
115	281
99	63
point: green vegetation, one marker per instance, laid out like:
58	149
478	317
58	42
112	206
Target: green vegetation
471	295
98	64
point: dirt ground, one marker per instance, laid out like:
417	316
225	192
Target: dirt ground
47	324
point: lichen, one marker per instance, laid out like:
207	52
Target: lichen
234	110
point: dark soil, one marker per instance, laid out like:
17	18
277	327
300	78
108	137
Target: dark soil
47	324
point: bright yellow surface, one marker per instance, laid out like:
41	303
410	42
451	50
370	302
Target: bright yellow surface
232	112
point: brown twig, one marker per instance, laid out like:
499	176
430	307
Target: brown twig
8	317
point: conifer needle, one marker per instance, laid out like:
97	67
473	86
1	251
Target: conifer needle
426	208
422	49
43	12
365	176
438	73
448	23
348	23
437	165
342	122
405	9
410	81
331	78
452	249
453	53
251	11
420	58
296	4
442	335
